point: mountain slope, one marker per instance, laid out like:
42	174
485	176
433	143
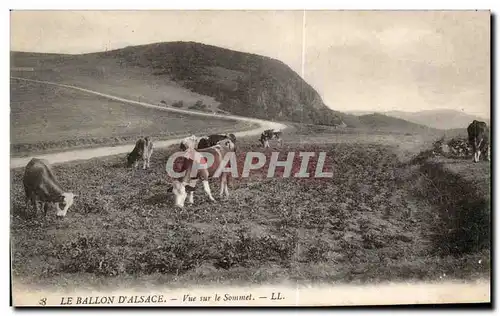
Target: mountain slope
244	84
376	121
241	83
439	118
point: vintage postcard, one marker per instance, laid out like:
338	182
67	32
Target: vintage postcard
250	158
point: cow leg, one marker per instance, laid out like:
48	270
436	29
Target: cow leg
29	200
226	191
149	158
223	181
192	184
136	163
206	187
144	162
45	207
34	203
191	197
474	151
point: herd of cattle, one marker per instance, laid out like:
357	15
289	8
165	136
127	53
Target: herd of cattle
40	184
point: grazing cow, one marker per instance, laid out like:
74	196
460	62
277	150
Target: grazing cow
206	141
40	184
187	183
268	135
143	150
479	139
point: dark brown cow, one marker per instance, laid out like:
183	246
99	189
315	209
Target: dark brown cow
40	184
479	139
143	150
187	183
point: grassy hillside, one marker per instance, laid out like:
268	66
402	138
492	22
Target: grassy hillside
45	117
243	84
106	75
379	121
220	79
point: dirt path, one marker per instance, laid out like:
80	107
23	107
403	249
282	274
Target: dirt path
83	154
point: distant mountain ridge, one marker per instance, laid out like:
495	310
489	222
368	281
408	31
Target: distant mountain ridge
440	118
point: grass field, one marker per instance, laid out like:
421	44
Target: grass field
377	219
46	118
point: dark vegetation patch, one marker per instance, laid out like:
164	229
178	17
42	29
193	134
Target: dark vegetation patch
461	223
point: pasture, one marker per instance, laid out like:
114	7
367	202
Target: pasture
48	118
378	219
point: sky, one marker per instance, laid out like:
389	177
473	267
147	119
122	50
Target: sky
356	60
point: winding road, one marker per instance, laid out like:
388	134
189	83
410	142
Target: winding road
84	154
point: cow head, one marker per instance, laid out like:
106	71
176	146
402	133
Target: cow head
226	143
66	203
130	160
180	191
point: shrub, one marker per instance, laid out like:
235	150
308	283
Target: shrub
198	106
178	104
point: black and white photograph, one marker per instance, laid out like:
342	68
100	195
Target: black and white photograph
182	158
